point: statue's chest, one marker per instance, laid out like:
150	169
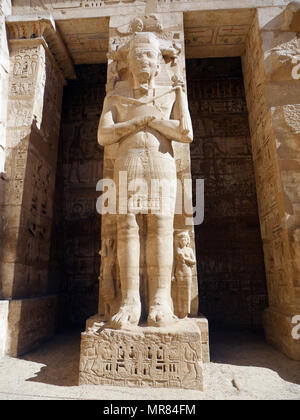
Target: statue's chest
160	107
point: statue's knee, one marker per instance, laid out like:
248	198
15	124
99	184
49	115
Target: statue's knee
127	223
161	225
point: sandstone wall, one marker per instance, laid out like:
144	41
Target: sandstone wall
78	225
5	9
232	286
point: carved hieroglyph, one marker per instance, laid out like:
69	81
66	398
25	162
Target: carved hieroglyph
33	120
143	117
274	124
170	359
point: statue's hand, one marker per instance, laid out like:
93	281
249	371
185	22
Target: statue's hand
141	121
184	131
180	257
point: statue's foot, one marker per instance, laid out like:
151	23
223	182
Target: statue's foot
128	315
160	314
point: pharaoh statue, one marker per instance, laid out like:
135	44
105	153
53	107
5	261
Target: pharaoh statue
144	118
185	260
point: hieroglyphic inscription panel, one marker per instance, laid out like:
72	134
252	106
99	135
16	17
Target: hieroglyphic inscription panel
147	357
230	263
79	170
274	123
34	103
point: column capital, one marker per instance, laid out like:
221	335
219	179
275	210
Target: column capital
284	18
42	27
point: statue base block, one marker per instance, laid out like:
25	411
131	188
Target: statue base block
169	357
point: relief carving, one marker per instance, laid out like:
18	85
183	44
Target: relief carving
142	358
25	65
295	251
184	262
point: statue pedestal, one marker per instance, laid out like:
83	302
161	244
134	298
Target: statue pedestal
169	357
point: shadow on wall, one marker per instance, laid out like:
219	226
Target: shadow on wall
61	359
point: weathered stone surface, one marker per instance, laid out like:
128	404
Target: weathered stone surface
142	112
230	265
33	117
144	120
267	31
220	122
218	33
75	248
30	322
211	29
5	9
43	28
34	103
278	332
274	127
202	324
147	356
201	321
71	9
4	305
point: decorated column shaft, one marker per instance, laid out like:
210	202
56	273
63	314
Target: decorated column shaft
33	123
272	86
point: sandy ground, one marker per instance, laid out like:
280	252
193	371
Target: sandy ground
243	367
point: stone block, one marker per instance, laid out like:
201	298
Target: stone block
271	18
278	332
30	322
202	324
169	357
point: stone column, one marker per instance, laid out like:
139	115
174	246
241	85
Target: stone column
272	87
33	122
5	9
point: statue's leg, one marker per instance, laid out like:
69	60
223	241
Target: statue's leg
180	298
159	254
184	296
129	259
189	294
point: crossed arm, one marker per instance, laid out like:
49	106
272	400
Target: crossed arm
110	131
